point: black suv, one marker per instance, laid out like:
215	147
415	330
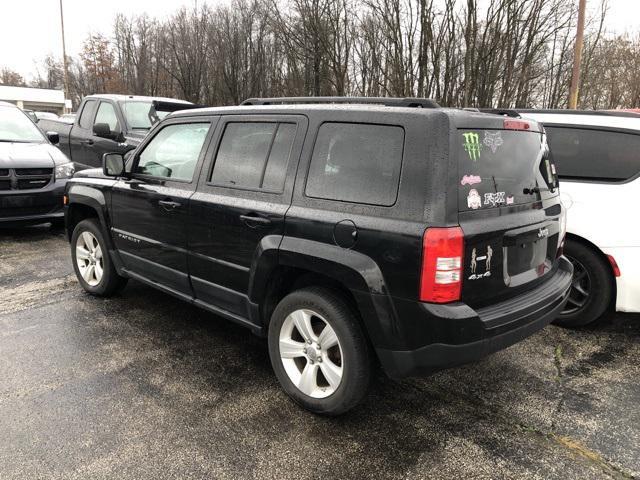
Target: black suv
350	232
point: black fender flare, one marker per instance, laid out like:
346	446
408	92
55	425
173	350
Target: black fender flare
354	270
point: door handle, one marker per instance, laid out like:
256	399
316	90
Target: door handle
87	142
169	205
255	220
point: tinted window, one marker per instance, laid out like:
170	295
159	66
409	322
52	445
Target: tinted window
86	117
500	167
107	114
174	151
594	154
356	163
254	155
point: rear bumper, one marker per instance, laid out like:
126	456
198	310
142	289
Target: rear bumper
23	207
494	328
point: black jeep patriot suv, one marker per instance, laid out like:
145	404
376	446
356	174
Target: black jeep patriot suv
350	232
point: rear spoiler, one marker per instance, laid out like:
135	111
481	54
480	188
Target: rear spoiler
164	106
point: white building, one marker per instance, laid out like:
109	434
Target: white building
38	99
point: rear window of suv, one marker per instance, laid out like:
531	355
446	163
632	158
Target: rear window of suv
503	167
356	162
592	154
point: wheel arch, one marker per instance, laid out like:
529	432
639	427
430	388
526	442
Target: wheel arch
292	265
603	257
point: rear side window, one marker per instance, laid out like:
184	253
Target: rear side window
594	154
254	155
503	167
355	162
86	117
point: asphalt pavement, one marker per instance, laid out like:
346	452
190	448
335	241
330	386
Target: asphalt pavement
145	386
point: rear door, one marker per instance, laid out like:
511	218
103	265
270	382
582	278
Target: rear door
240	204
150	210
509	210
81	136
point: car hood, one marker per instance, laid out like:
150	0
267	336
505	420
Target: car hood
30	155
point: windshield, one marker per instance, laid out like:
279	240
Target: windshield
141	115
15	126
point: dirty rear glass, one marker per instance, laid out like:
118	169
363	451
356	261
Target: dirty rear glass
503	167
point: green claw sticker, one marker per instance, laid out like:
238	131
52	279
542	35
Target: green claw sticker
472	145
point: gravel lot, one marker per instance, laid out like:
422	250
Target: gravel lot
145	386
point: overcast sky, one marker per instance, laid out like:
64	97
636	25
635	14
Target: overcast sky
31	28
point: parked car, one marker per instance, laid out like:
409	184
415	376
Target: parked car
598	160
33	172
109	123
348	234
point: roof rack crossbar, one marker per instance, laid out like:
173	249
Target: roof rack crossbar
386	101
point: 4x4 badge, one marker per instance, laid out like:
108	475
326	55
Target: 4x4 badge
472	145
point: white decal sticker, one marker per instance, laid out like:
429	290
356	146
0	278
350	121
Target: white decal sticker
474	201
475	275
494	199
493	140
553	168
470	180
510	200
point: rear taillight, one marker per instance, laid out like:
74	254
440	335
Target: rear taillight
516	125
442	256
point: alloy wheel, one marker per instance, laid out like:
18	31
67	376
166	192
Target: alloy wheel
311	353
580	288
89	258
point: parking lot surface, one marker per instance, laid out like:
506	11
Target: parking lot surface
145	386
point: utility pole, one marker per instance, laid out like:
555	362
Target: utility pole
64	58
577	56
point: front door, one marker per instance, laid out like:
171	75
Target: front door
240	204
150	210
98	146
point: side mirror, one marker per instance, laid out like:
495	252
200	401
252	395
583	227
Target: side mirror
113	165
53	137
103	130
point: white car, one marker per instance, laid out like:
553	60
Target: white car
597	155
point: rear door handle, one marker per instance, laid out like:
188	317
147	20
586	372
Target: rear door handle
254	220
169	205
87	142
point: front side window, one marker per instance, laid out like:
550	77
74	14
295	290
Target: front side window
174	151
582	153
107	114
354	162
254	155
15	126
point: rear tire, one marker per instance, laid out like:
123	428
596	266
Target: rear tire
319	352
91	261
591	288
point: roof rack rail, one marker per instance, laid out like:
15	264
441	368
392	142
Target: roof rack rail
505	112
386	101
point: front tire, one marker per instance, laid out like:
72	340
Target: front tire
91	261
319	352
591	287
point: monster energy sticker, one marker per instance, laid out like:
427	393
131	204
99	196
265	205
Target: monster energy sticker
494	199
493	140
474	201
475	275
472	145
